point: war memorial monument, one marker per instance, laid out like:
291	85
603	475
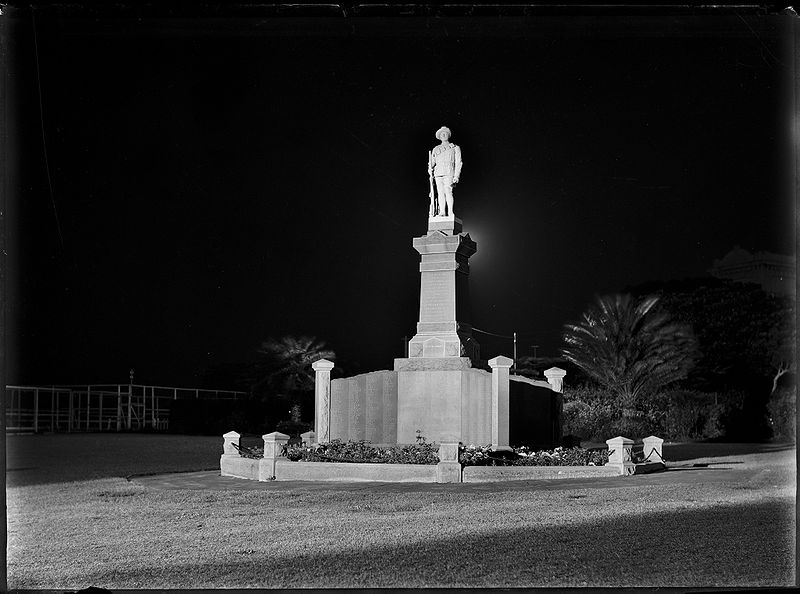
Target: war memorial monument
443	390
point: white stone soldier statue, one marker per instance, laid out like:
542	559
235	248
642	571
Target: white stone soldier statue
444	166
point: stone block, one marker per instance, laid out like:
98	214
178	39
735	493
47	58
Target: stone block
286	470
620	454
236	466
448	472
500	402
429	401
322	399
491	474
439	364
555	377
653	449
273	444
309	438
448	452
450	224
229	440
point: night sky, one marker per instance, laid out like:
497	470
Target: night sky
214	181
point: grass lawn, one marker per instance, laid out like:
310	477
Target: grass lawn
109	532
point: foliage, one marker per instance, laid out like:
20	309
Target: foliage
282	379
690	414
782	409
285	363
631	347
363	451
743	332
472	455
293	428
424	453
674	414
589	413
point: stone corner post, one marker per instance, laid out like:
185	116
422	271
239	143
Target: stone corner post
555	377
620	455
500	402
448	470
273	449
322	400
231	439
229	453
308	438
653	449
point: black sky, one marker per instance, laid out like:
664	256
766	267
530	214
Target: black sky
216	181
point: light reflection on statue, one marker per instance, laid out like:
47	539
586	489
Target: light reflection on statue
444	168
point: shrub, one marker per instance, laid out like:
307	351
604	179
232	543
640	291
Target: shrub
589	414
782	407
472	455
363	451
690	414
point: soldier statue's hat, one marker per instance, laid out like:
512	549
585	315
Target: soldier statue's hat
443	130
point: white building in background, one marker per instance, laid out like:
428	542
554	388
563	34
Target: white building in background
775	273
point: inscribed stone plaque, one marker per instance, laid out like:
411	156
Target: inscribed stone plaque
437	301
373	417
357	417
340	405
389	407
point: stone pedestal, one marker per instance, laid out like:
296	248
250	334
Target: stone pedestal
444	328
449	468
273	449
446	399
322	400
500	402
653	449
620	455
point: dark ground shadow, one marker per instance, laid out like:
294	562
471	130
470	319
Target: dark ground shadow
690	451
726	545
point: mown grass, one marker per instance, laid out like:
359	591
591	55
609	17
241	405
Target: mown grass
118	534
58	458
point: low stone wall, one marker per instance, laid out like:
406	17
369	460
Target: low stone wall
286	470
236	466
491	474
448	470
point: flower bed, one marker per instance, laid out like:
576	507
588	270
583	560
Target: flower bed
472	455
363	452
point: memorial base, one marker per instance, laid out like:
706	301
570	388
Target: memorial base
443	400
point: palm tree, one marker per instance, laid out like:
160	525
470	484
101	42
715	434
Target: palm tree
630	347
284	367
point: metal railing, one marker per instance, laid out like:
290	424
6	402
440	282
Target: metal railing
97	407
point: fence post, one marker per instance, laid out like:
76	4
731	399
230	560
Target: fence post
130	401
308	437
448	470
500	405
273	449
322	400
119	407
36	410
653	449
229	452
555	377
620	455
